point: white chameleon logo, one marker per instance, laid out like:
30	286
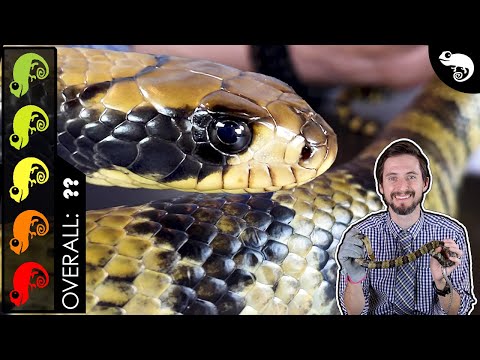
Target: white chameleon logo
458	61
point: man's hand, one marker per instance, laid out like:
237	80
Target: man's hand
435	266
352	248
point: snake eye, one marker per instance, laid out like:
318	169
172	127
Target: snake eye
229	136
14	85
14	138
14	242
14	294
306	153
14	190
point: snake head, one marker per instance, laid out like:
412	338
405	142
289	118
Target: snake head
196	125
446	255
256	134
257	154
443	255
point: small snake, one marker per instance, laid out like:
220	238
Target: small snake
428	248
139	120
441	256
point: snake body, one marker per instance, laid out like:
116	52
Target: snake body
246	253
428	248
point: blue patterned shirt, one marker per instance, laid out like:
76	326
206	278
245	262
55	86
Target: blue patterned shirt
379	284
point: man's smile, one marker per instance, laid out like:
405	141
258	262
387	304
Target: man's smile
403	196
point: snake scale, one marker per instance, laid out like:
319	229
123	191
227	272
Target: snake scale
222	253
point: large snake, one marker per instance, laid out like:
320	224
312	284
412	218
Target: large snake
119	116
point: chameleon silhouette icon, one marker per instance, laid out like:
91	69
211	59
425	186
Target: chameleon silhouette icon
27	121
22	180
22	72
22	229
458	61
22	281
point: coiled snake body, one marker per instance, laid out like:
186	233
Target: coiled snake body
244	253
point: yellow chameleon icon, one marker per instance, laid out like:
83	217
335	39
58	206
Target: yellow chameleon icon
27	121
22	180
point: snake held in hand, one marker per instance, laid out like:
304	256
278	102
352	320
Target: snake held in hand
138	120
428	248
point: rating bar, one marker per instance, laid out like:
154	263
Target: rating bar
28	158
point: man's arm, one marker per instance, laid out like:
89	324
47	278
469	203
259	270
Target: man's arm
461	278
352	298
461	296
450	303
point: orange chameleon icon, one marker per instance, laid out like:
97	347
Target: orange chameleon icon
21	281
22	229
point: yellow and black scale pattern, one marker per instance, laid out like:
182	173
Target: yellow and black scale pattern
428	248
162	122
347	116
250	253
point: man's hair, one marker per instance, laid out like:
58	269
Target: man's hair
402	147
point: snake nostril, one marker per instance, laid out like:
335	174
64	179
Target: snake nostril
306	153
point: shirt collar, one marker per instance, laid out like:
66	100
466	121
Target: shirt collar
414	230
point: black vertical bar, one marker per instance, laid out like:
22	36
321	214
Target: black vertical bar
70	239
70	244
3	184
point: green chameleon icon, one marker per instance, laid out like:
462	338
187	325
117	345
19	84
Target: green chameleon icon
27	121
22	72
22	180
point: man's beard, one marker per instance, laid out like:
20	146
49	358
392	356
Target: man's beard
402	210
